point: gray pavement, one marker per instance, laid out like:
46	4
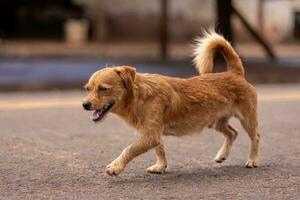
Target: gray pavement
52	150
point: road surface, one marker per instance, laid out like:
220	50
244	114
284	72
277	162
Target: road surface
50	149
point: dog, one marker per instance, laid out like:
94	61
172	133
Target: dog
158	105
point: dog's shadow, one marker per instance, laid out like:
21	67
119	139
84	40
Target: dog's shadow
197	174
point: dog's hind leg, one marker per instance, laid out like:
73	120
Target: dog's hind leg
161	161
230	135
249	123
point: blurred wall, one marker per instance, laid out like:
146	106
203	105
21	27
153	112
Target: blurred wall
139	19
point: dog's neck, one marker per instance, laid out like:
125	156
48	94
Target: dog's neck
126	108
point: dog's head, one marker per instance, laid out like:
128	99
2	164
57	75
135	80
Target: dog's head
106	90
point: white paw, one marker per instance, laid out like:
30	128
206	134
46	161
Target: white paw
221	157
114	168
157	169
252	163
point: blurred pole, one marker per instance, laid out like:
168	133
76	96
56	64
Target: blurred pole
164	37
99	26
224	10
260	16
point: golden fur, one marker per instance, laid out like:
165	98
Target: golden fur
159	105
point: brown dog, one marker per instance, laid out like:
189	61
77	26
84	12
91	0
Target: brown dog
159	105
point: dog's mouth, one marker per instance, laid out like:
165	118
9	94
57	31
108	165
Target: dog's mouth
99	114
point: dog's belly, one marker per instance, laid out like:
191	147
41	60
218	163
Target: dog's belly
195	123
182	128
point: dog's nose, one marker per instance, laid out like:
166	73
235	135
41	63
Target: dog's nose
87	105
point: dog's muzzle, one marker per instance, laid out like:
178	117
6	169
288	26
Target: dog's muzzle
98	114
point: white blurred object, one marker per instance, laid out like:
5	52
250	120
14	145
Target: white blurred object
279	21
296	5
76	31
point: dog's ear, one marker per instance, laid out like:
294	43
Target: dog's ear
127	74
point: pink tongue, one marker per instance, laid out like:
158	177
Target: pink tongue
96	114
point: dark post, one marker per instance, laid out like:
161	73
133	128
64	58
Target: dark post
224	10
164	29
260	16
98	24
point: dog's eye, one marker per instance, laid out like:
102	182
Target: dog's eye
101	88
87	89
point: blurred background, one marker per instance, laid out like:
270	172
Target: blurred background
57	44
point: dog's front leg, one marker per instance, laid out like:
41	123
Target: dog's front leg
161	161
145	143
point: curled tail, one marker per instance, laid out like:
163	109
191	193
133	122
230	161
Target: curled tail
205	49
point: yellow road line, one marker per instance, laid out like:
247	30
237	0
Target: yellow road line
39	104
279	97
76	103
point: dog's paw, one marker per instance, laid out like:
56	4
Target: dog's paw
252	163
114	169
157	169
221	157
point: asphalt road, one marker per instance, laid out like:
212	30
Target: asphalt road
50	149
